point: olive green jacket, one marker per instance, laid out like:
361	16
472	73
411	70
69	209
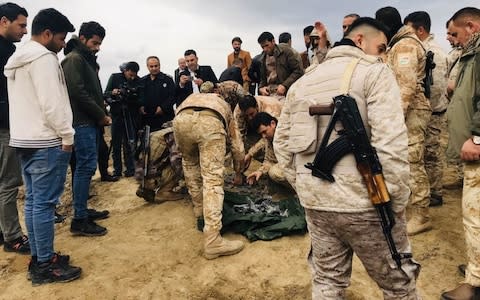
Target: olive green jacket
84	89
464	110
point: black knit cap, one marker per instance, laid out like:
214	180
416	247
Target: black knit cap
370	22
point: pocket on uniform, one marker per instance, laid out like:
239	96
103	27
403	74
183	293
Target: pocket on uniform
303	134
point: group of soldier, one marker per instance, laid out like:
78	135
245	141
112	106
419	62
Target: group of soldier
404	87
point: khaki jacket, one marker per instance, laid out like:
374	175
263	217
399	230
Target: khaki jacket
407	59
217	104
266	104
298	135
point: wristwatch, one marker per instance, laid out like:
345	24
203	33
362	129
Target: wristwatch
476	139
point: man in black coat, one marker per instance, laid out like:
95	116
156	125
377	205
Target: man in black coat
234	72
13	26
192	78
158	96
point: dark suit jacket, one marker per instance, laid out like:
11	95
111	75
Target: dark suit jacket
177	76
203	72
232	73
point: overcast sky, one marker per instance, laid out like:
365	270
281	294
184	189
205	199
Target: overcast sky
139	28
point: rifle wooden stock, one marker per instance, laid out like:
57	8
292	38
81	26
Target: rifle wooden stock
377	189
321	109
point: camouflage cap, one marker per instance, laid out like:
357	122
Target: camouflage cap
207	87
231	91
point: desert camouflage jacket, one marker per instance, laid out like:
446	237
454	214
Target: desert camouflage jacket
406	56
298	135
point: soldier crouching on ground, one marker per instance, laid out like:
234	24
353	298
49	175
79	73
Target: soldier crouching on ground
340	216
163	179
202	127
265	125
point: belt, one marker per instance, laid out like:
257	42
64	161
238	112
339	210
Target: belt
203	112
439	113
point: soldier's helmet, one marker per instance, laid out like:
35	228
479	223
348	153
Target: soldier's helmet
207	87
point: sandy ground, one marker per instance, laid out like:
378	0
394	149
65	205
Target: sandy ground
153	251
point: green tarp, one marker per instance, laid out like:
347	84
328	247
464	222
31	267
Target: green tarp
259	218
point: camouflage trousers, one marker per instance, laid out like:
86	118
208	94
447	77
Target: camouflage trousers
336	236
435	152
200	136
471	220
416	122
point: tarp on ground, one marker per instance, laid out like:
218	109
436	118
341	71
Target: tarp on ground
260	218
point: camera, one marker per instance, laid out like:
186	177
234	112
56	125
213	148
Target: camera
128	94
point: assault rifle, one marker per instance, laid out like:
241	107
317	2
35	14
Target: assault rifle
353	139
428	81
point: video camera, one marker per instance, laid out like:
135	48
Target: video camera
128	94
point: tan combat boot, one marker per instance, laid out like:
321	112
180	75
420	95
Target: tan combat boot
463	292
419	221
215	245
197	206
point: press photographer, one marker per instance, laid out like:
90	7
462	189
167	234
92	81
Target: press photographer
124	95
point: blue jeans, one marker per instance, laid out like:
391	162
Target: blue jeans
85	165
44	171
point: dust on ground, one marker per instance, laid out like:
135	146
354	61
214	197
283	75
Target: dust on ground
154	251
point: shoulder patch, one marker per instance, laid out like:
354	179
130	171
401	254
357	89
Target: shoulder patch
403	60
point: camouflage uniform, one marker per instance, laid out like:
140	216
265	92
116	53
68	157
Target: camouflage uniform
164	179
266	104
202	127
270	165
407	59
434	151
333	207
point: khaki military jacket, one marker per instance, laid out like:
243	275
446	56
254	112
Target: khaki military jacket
438	91
406	57
298	135
270	159
215	103
267	104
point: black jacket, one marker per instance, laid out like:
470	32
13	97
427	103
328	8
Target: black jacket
131	94
203	72
159	92
84	88
233	73
6	50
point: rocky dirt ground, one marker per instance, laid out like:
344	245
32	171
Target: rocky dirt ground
154	251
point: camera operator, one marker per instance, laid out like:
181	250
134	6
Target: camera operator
124	94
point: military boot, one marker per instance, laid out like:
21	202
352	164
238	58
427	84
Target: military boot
419	221
463	292
215	245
